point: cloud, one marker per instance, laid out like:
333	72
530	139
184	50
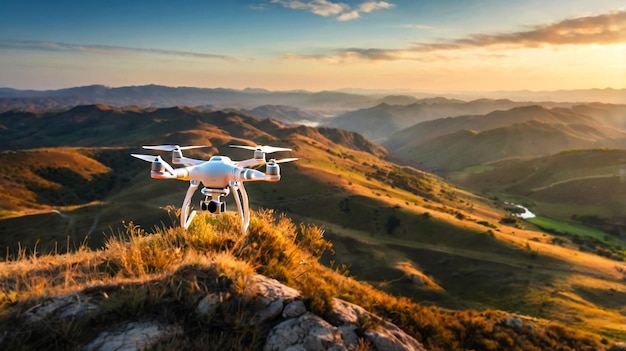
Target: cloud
328	8
417	26
105	49
370	6
609	28
318	7
347	16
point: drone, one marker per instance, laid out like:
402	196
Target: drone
219	177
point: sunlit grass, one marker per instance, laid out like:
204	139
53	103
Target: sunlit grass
143	272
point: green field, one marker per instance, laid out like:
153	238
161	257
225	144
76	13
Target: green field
567	228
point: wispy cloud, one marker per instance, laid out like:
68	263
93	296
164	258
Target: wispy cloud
105	49
609	28
417	26
318	7
370	6
329	8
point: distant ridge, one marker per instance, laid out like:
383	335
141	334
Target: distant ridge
328	101
381	121
163	96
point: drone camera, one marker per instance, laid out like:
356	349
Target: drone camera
213	206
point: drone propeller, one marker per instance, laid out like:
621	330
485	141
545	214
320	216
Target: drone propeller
283	160
158	165
149	158
172	147
262	148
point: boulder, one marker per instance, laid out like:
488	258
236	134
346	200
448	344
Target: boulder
307	332
382	334
270	288
132	336
73	305
294	309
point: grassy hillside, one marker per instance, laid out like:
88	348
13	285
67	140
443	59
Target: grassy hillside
380	122
590	180
162	275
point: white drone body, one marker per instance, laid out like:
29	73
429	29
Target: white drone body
219	176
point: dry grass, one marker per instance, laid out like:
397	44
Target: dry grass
165	272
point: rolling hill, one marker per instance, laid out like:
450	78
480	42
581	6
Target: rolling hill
451	144
380	122
390	224
287	114
589	180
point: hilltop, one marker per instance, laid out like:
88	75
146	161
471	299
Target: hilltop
213	288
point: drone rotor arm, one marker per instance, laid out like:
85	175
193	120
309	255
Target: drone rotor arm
162	169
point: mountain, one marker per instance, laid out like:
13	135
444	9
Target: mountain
606	95
378	123
285	114
450	144
163	96
395	228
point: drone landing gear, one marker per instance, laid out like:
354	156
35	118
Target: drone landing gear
241	198
212	203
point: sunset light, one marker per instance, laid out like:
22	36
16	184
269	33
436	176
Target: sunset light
316	45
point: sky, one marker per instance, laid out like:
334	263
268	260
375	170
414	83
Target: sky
315	45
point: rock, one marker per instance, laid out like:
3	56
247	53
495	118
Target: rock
269	296
307	332
265	302
209	304
349	336
346	313
513	321
270	288
389	337
131	336
294	309
384	335
63	306
272	310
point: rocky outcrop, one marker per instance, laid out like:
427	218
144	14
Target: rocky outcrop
265	304
131	336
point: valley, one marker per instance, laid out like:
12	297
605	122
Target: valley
432	201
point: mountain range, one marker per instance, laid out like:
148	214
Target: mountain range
451	144
326	102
